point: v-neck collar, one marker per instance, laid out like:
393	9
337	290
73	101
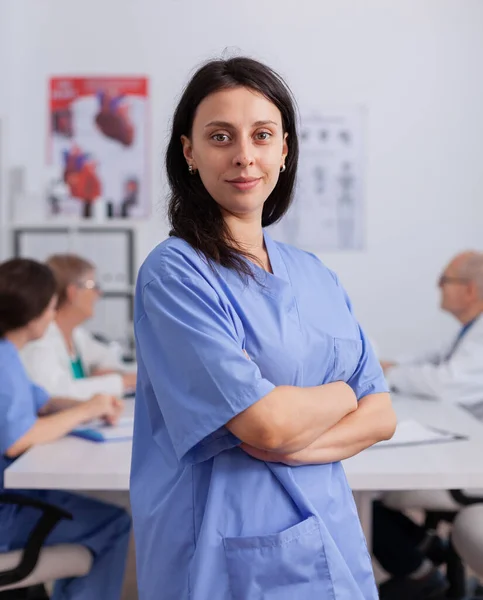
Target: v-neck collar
270	282
279	269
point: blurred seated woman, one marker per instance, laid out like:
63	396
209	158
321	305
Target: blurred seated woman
68	360
29	416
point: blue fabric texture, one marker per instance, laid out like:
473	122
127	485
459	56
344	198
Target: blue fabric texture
212	523
102	528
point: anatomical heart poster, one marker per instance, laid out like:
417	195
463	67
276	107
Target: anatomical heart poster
98	147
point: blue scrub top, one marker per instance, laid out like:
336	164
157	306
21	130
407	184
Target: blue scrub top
212	523
20	402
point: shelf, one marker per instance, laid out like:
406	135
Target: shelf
55	224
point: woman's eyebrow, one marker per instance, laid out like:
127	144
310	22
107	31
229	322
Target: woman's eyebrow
231	126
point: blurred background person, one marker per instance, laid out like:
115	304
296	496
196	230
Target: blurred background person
453	372
68	360
29	416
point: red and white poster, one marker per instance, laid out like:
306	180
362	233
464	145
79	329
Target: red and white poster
98	147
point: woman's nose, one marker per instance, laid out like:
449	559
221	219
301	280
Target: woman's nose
244	155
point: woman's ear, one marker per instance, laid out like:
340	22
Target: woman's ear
188	150
285	147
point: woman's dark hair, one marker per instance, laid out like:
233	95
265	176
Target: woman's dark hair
26	288
193	213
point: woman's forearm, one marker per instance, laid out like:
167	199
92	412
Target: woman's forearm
289	419
373	421
57	404
52	427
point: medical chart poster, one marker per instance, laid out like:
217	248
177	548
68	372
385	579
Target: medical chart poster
328	210
98	147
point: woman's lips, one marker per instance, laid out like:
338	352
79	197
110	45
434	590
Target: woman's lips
244	184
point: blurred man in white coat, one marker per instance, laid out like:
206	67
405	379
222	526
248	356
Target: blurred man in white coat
455	372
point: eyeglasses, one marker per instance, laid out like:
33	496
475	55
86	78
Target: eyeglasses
89	284
444	279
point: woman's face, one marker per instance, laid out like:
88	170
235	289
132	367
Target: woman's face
84	294
37	328
238	147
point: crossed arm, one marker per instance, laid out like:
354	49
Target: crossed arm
323	424
373	420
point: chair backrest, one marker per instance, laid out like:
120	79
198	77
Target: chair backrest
467	537
54	562
29	555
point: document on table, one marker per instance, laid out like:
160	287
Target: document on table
412	433
98	431
475	409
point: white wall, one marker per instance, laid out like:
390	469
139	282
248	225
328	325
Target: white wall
5	71
415	64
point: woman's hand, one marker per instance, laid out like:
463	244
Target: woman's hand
106	407
293	460
373	421
129	381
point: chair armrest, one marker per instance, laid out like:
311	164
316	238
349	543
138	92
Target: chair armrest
49	518
20	500
461	498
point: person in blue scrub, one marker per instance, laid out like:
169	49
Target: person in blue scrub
29	416
254	377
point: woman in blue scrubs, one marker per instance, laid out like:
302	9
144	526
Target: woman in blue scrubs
255	379
30	416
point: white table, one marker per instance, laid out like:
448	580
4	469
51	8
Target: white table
440	466
76	464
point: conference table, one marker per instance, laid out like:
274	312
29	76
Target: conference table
76	464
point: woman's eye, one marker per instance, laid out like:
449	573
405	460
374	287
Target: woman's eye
220	137
264	136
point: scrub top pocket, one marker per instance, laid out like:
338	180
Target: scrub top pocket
348	353
283	566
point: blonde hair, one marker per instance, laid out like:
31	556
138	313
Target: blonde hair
67	269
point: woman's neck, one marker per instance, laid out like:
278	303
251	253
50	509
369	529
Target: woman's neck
247	232
19	338
248	235
67	322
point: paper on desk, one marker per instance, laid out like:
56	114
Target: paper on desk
411	433
123	430
99	431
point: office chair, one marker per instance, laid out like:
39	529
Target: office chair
455	567
23	572
468	538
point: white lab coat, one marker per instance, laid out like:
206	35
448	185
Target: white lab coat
459	379
48	364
